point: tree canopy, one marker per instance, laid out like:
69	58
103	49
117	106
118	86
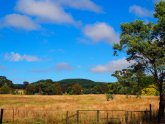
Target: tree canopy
4	80
144	43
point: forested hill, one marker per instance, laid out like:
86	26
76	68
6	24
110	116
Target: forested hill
66	86
83	82
79	86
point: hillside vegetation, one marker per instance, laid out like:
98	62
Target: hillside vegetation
78	86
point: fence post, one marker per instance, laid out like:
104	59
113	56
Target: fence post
107	118
150	111
1	116
126	117
145	114
98	116
67	117
77	116
131	116
13	115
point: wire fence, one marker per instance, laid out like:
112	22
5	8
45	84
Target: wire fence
26	116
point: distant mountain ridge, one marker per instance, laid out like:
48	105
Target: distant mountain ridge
83	82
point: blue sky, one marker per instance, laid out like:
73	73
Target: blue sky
59	39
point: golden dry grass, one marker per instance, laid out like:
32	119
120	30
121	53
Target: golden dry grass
75	102
48	107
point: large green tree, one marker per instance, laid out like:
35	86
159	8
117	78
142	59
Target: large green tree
4	80
133	80
144	43
5	89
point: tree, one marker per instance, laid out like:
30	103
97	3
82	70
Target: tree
133	80
57	89
44	87
5	89
25	84
30	89
145	45
4	80
76	89
100	89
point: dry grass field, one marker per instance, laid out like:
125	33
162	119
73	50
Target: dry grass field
20	109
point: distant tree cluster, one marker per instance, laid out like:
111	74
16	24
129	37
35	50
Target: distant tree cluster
127	84
6	85
43	87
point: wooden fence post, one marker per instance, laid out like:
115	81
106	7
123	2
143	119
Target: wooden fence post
107	118
67	117
145	114
150	111
131	116
77	116
1	116
126	117
98	116
13	115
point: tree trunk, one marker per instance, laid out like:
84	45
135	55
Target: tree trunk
161	107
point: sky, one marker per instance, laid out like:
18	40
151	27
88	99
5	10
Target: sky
60	39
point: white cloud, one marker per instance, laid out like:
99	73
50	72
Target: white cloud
16	57
63	67
101	32
112	66
36	12
44	10
19	21
81	5
140	11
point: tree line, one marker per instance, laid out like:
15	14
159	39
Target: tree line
81	86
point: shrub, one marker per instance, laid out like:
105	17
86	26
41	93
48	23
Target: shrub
149	91
109	96
5	89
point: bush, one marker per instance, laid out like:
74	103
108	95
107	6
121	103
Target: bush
5	89
149	91
109	96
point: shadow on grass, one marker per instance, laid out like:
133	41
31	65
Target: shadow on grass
138	119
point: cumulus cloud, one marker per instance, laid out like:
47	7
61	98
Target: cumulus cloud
19	21
140	11
112	66
45	10
36	12
16	57
101	32
63	67
81	5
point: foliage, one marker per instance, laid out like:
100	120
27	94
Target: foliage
18	86
149	91
76	89
83	82
109	96
144	44
5	89
45	87
30	90
100	89
49	87
25	84
4	80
